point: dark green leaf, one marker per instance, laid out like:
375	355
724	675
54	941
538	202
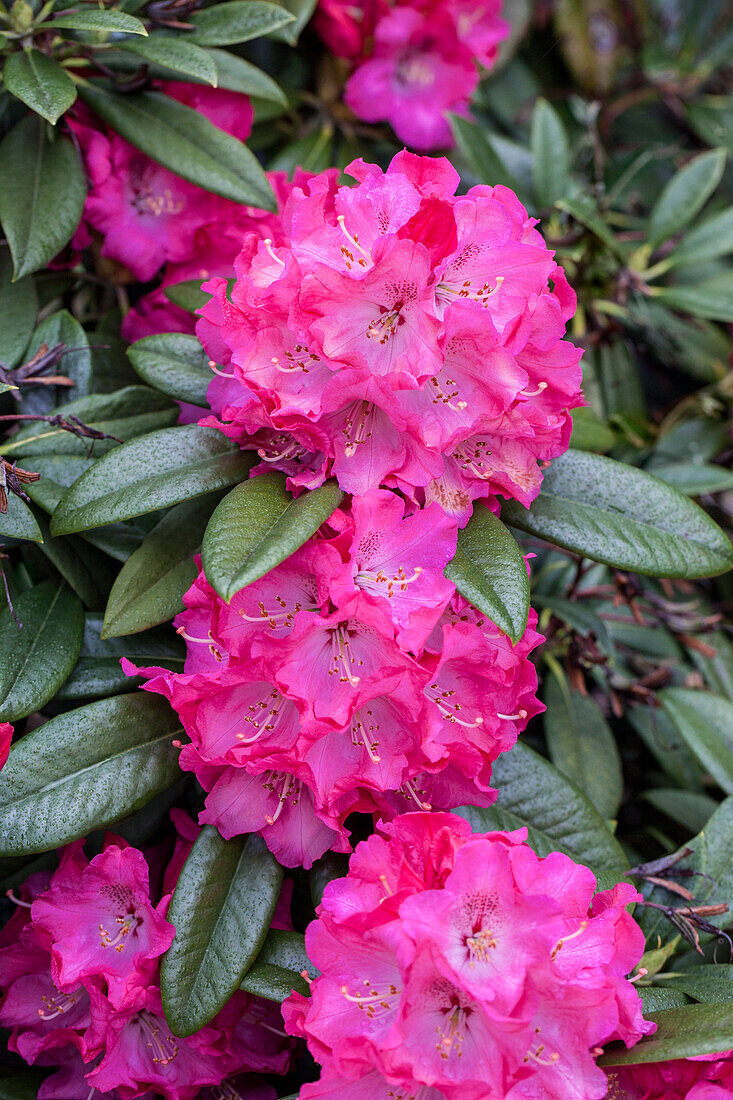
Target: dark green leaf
183	141
302	11
483	159
717	669
38	651
707	241
125	414
149	588
274	983
685	195
692	478
711	299
108	20
21	1086
237	75
656	999
551	154
582	746
687	808
85	770
581	616
584	210
40	83
558	816
98	673
623	517
18	309
188	295
705	721
42	192
590	433
148	473
175	53
221	909
664	742
85	570
490	571
75	363
174	364
708	984
257	526
18	522
681	1033
237	21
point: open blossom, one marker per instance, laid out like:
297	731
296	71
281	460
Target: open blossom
463	966
351	678
709	1077
79	970
396	334
415	60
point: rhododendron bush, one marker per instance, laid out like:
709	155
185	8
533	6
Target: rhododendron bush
366	482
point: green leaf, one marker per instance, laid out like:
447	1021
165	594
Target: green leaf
708	984
150	472
175	53
18	309
84	770
581	617
686	808
237	75
174	364
38	651
125	414
584	210
98	673
711	299
705	721
550	153
149	588
75	363
188	295
590	433
709	240
39	82
236	21
558	816
278	968
85	570
681	1033
717	669
221	909
664	742
694	478
490	571
685	195
257	526
183	141
582	746
39	217
623	517
108	20
21	1086
302	11
480	154
19	522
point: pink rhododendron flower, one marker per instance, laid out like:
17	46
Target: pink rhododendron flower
395	334
463	966
79	970
6	738
350	678
709	1077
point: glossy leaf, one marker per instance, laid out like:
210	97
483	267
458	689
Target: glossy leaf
681	1033
40	82
278	968
302	12
236	21
184	141
705	721
18	309
150	586
84	770
257	526
551	154
623	517
107	20
490	571
238	75
188	295
175	53
221	909
87	572
75	362
19	522
150	472
42	192
558	816
685	195
686	808
38	648
173	363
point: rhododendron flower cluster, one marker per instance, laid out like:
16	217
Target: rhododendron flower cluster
351	678
393	333
707	1077
463	967
79	967
415	60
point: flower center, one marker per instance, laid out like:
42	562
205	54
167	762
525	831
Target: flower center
122	927
375	1002
262	724
379	580
159	1041
357	427
384	327
60	1003
412	792
362	734
472	457
452	1035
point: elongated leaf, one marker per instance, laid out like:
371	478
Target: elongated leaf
483	159
18	309
75	363
707	241
108	20
173	363
125	414
40	83
717	669
705	721
19	522
490	571
187	294
681	1033
257	526
37	655
667	746
687	808
221	910
711	299
183	141
558	816
175	53
581	617
84	770
623	517
685	195
150	472
278	968
149	588
238	75
237	21
582	746
692	478
708	984
551	154
88	572
302	12
97	672
42	192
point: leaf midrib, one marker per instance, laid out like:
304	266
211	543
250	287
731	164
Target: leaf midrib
31	651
